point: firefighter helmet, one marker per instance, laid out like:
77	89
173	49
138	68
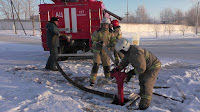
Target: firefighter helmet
115	23
105	21
122	44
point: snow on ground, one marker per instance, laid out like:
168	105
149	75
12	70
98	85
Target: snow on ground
26	86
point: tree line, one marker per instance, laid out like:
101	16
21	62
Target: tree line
167	16
26	9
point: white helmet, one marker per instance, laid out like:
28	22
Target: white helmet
105	20
122	44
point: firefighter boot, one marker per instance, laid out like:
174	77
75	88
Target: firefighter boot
93	75
144	103
106	71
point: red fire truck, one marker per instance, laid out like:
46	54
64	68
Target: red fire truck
80	18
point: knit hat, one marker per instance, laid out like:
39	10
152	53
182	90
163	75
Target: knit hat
54	19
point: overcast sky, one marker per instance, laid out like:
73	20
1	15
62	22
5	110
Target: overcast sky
153	6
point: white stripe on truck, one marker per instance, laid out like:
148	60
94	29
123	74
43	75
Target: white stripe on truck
67	20
74	20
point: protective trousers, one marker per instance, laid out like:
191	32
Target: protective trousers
97	58
146	82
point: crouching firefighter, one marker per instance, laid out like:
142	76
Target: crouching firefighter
101	37
145	64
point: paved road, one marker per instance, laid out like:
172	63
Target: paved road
20	40
186	49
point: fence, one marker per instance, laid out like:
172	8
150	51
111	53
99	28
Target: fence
142	29
27	24
146	30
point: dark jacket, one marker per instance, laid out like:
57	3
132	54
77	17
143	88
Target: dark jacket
140	59
52	29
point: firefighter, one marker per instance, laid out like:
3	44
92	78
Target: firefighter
117	35
145	64
52	32
100	37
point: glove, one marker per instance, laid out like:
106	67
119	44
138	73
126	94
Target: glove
116	61
130	74
99	45
115	69
118	68
68	37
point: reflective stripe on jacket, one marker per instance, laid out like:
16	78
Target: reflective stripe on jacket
101	35
117	35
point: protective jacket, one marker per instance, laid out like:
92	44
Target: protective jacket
117	34
140	59
101	35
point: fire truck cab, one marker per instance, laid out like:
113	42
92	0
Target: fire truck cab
79	18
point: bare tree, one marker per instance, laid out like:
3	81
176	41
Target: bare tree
183	29
5	8
31	10
167	16
178	17
23	7
25	11
19	7
141	15
157	29
30	7
190	16
170	29
132	18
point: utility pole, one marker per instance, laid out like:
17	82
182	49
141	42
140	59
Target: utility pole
14	25
197	22
127	14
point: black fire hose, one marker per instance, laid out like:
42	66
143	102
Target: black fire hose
81	87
